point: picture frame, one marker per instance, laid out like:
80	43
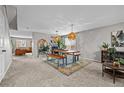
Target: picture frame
117	38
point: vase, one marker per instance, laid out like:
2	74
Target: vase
116	64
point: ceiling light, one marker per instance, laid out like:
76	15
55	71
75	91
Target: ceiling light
72	35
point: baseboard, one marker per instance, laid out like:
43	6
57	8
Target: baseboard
2	76
90	59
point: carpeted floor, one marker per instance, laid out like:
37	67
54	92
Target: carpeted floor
29	72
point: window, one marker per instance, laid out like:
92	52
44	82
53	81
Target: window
70	44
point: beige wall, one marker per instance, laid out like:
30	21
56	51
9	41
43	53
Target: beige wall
91	40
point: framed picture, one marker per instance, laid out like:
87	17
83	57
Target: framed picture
20	43
23	43
117	38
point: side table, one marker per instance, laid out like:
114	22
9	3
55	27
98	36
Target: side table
107	67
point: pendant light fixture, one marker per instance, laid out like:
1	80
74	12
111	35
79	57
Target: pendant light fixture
72	35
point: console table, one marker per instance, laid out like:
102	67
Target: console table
105	57
116	72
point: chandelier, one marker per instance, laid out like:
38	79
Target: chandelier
72	35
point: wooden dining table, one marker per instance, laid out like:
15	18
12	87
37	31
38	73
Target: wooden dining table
67	52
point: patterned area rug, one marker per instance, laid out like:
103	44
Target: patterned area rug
69	69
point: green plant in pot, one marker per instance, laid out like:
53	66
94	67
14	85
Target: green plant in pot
121	61
116	62
112	53
105	46
44	48
61	44
113	56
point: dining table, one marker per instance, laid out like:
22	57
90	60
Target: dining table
67	52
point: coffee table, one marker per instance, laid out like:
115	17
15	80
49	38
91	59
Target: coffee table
116	72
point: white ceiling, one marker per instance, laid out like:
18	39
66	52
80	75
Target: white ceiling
48	19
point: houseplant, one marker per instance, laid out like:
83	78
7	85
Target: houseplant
112	53
116	63
61	44
105	46
113	57
121	60
44	49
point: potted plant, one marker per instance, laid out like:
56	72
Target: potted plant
44	49
105	46
121	61
112	53
61	44
113	57
116	63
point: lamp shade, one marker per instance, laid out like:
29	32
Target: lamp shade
72	36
